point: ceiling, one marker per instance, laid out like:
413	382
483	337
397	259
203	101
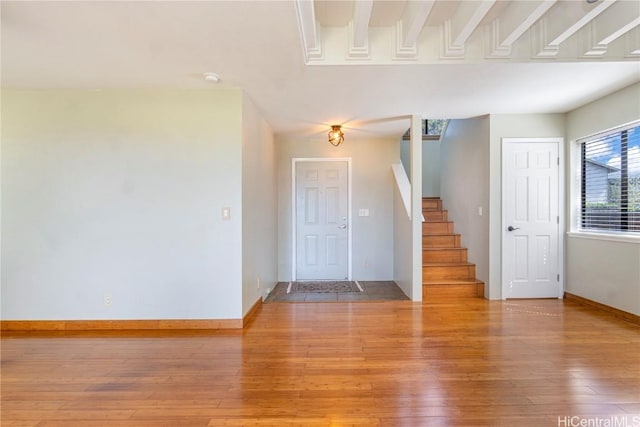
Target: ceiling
306	65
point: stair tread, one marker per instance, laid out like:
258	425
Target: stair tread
447	264
437	248
446	248
452	282
441	234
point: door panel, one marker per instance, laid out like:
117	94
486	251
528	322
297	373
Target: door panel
521	258
531	209
321	220
311	213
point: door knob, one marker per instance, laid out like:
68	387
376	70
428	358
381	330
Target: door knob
342	226
512	228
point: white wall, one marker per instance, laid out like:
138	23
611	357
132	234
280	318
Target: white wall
510	126
604	271
402	245
259	206
408	218
120	193
430	165
372	189
464	153
431	168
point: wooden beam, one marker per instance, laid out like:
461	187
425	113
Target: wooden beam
516	21
550	49
359	29
410	25
632	43
309	31
609	28
458	29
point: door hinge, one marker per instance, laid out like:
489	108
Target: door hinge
558	277
558	219
558	160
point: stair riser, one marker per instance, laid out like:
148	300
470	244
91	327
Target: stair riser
436	228
445	255
435	215
432	204
452	291
451	272
441	241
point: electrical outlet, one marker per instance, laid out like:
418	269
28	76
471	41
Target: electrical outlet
258	283
107	300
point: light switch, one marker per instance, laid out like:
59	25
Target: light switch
479	210
363	212
226	214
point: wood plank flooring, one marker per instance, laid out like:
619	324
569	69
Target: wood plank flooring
470	362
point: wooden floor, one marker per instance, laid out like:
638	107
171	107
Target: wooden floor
471	363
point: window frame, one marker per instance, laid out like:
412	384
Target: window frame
575	228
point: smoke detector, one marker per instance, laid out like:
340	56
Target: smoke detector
211	77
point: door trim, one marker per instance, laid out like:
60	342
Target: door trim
561	208
294	217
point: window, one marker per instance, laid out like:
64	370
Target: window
433	126
610	184
431	129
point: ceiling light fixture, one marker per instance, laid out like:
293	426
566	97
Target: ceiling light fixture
336	137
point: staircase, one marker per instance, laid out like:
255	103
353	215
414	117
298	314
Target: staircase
445	269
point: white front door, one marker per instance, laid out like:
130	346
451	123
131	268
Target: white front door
530	239
321	209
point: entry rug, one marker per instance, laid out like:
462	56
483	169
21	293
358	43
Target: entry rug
324	286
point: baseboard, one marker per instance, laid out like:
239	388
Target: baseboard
119	325
251	313
621	314
133	325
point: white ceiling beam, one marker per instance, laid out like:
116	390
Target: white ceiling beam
410	25
619	32
551	49
361	17
457	30
413	19
517	20
632	43
359	29
309	30
609	27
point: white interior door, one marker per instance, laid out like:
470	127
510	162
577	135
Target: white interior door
530	243
321	209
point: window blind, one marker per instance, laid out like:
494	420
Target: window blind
610	181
